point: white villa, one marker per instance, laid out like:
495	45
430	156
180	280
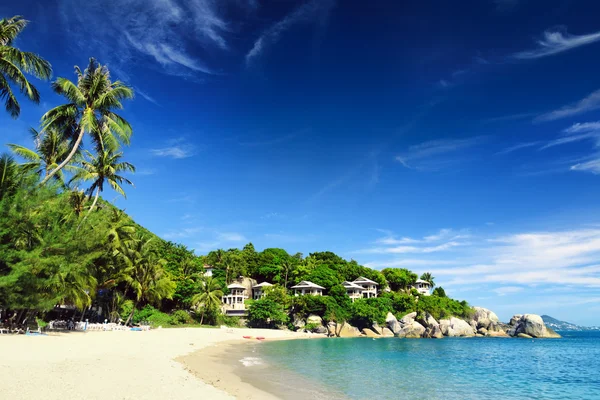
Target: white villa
258	292
353	290
422	287
208	270
307	287
234	301
369	286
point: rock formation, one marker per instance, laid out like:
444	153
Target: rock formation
531	325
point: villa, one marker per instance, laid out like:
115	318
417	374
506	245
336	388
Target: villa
353	290
258	292
369	286
208	270
423	287
307	287
233	303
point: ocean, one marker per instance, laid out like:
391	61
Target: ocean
450	368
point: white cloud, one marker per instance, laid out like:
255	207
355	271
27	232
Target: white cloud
431	155
592	166
177	152
583	127
443	240
589	103
516	147
231	237
554	42
182	233
504	290
307	12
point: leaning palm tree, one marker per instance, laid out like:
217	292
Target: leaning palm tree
102	168
92	101
50	149
427	277
145	273
14	63
209	296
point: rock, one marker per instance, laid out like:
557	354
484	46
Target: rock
551	334
484	317
347	330
515	319
479	335
473	324
444	326
434	332
321	330
498	327
331	327
393	323
376	328
369	333
314	319
385	332
412	330
482	331
524	336
531	325
460	328
408	319
497	334
299	323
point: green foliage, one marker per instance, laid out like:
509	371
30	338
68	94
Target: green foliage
324	276
439	291
366	311
427	277
310	327
402	303
444	307
228	321
399	278
180	317
266	313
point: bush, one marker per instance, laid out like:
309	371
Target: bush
180	317
159	319
228	321
311	326
266	313
367	311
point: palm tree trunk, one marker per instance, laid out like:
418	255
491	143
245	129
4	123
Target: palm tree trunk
68	159
202	315
131	314
91	208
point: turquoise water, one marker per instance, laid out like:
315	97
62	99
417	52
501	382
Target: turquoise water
450	368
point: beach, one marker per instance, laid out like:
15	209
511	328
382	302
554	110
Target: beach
158	364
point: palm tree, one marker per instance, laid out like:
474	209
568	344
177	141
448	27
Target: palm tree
73	286
92	101
427	277
9	173
50	148
145	273
14	63
101	168
209	297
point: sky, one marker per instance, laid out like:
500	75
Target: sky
459	138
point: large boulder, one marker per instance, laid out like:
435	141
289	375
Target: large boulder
385	332
314	319
347	330
459	328
408	319
434	332
531	325
412	330
515	319
484	317
299	323
376	328
393	323
331	329
369	333
321	330
444	326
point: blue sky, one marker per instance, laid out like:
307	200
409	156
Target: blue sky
460	139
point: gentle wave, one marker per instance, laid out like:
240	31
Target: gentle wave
251	361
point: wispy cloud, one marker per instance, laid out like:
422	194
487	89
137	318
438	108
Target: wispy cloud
169	32
516	147
589	103
421	156
215	240
176	152
554	42
146	96
504	290
183	233
511	117
592	166
443	240
307	12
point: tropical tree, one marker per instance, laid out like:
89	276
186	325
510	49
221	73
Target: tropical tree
102	168
145	273
209	296
427	277
9	173
50	148
92	102
14	64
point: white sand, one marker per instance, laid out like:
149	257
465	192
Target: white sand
111	365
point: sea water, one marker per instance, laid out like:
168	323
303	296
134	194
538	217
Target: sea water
449	368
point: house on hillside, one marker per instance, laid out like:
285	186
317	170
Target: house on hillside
233	303
258	292
369	286
307	287
208	270
423	287
353	290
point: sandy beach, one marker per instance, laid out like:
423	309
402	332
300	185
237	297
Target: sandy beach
125	365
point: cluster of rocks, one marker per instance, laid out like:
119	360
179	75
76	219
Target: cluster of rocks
483	323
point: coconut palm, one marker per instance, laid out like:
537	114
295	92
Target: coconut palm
50	148
145	275
209	296
92	101
427	277
102	168
9	173
73	286
14	63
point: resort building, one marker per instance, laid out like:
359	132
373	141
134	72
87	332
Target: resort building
422	287
353	290
307	287
369	286
235	299
258	292
208	270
